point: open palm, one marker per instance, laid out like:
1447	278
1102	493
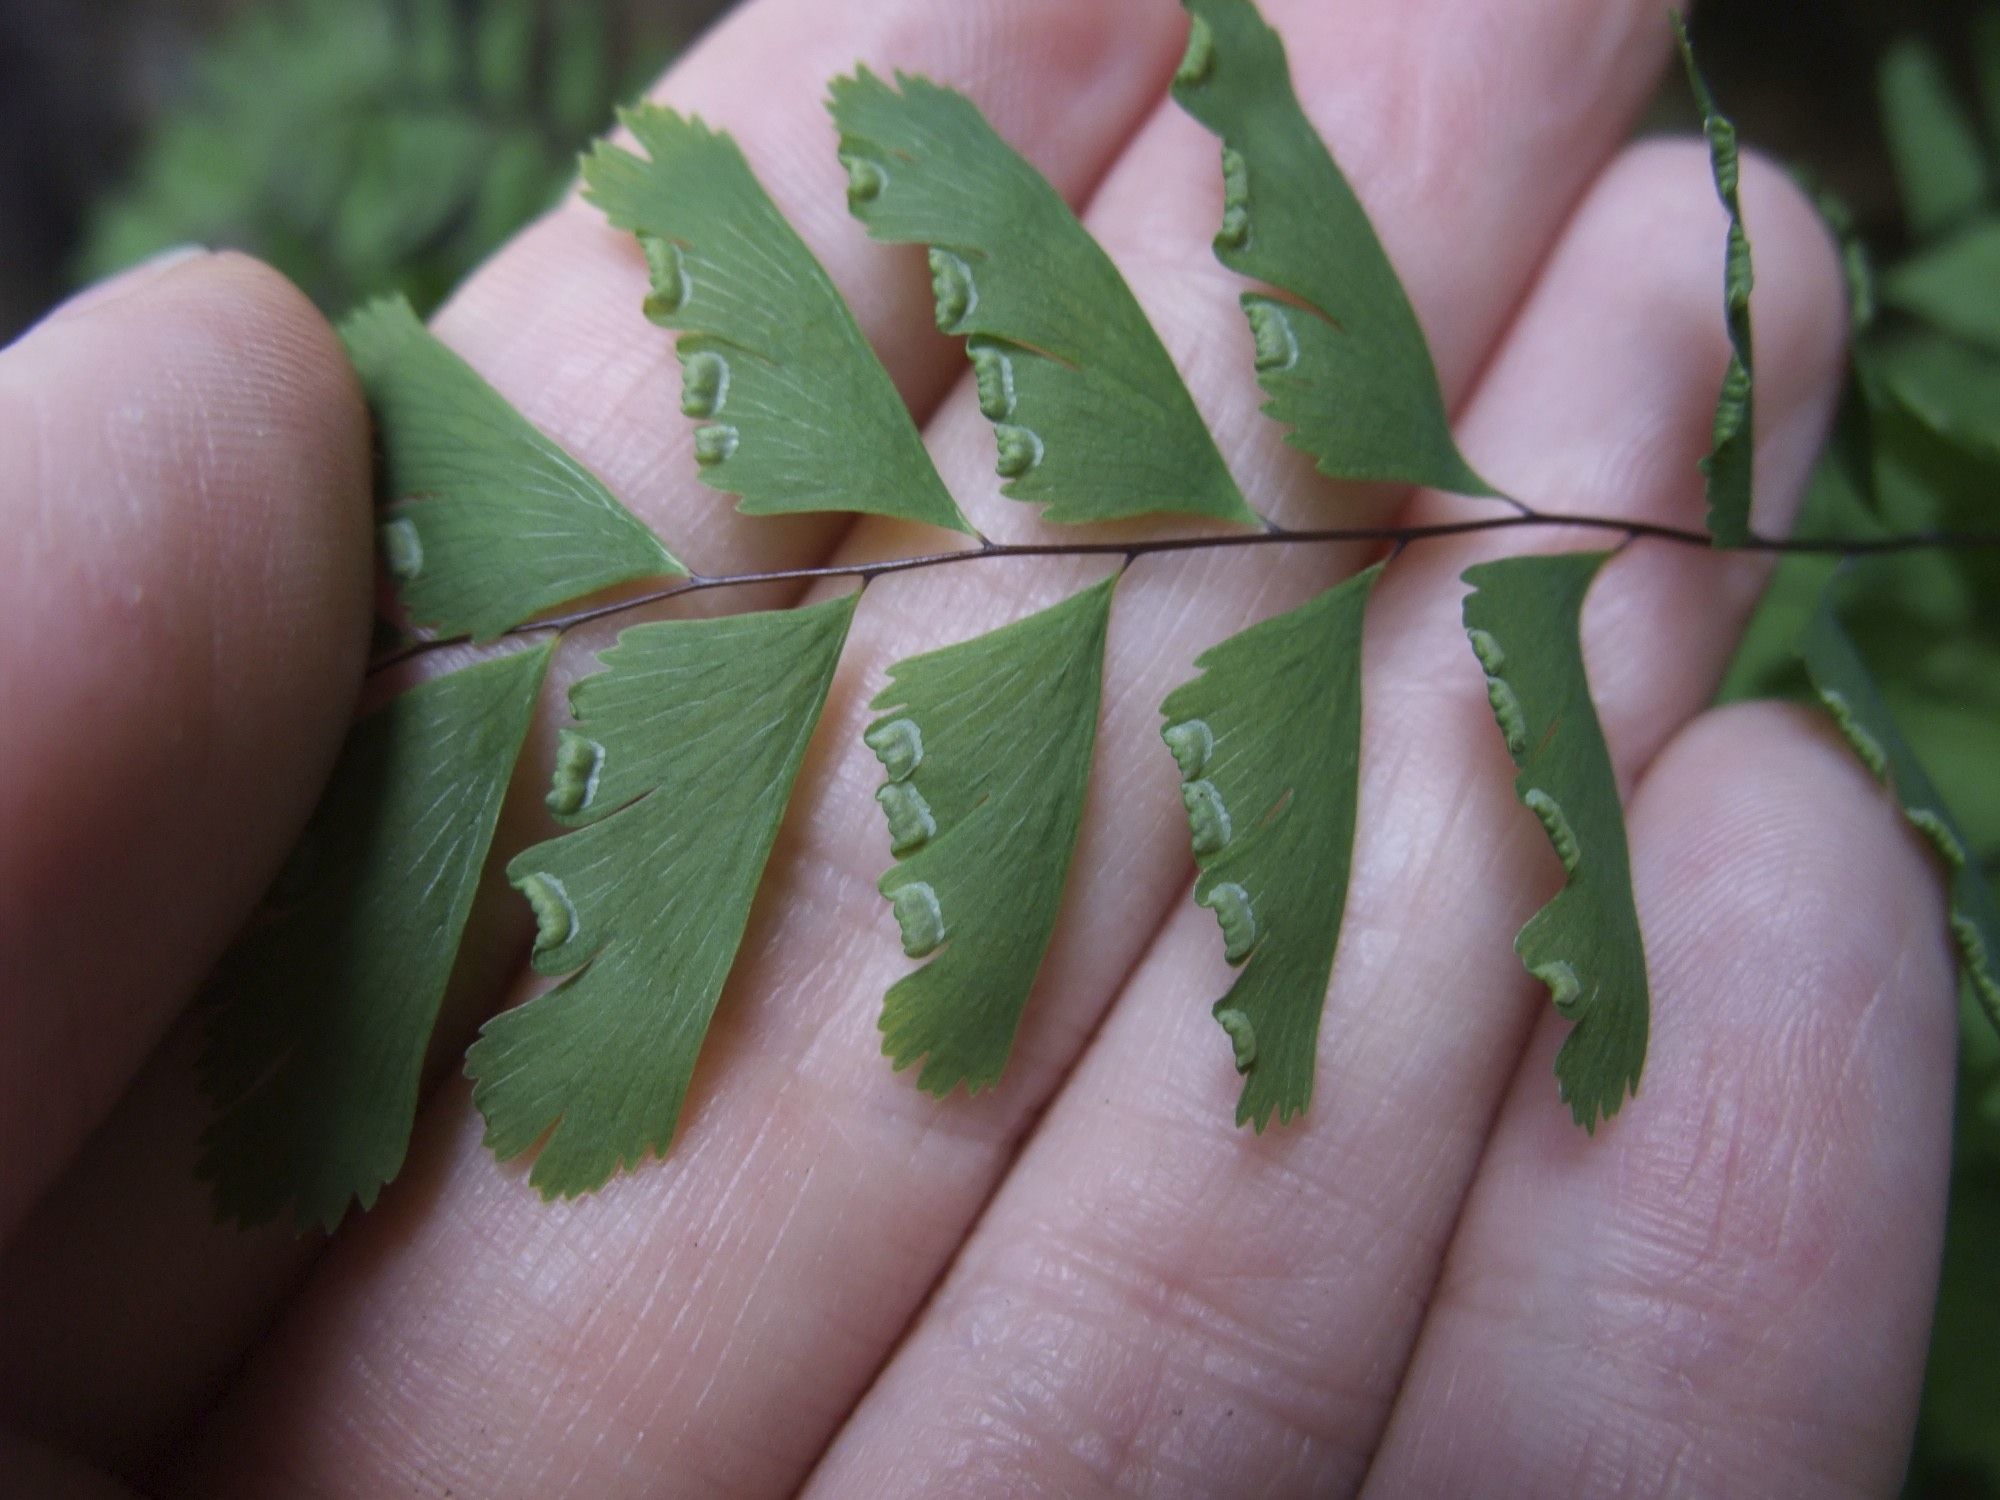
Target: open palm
1083	1282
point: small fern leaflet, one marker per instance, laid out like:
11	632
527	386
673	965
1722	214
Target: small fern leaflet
491	523
322	1011
987	747
1339	351
1268	742
797	412
1942	173
1089	414
676	776
1949	285
1584	945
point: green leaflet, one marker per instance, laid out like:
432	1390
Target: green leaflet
1848	690
1268	742
323	1010
1339	353
491	523
676	776
987	747
1940	163
1950	285
1955	387
797	412
1089	414
1732	452
1584	945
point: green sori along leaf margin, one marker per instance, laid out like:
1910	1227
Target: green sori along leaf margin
674	774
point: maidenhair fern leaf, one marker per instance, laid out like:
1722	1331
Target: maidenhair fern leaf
324	1008
1845	686
677	773
1731	452
797	412
1089	414
1950	285
1339	351
1268	742
1940	163
987	746
490	522
1584	945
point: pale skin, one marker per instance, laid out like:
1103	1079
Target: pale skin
1085	1282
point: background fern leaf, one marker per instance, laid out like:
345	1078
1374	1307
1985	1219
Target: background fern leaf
1090	416
677	773
1339	352
324	1008
797	412
490	523
1950	285
987	746
1584	945
1940	165
1268	742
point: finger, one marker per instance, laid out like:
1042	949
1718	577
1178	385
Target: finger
183	486
813	1196
1729	1292
554	321
1156	1302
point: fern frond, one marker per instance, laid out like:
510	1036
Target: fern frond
797	412
987	748
322	1011
1338	351
488	522
1268	742
1089	415
676	774
1584	945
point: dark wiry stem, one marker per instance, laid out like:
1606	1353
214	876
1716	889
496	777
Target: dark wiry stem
1271	536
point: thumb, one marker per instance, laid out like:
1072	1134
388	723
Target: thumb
184	601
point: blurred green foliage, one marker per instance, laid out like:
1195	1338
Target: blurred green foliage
374	146
1918	446
371	146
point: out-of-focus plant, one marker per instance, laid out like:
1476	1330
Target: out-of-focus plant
368	146
1918	444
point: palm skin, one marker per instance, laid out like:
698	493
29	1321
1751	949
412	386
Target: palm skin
1083	1282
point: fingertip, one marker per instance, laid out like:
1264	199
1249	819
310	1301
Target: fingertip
1802	919
184	489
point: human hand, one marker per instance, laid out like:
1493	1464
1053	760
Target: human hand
1084	1282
